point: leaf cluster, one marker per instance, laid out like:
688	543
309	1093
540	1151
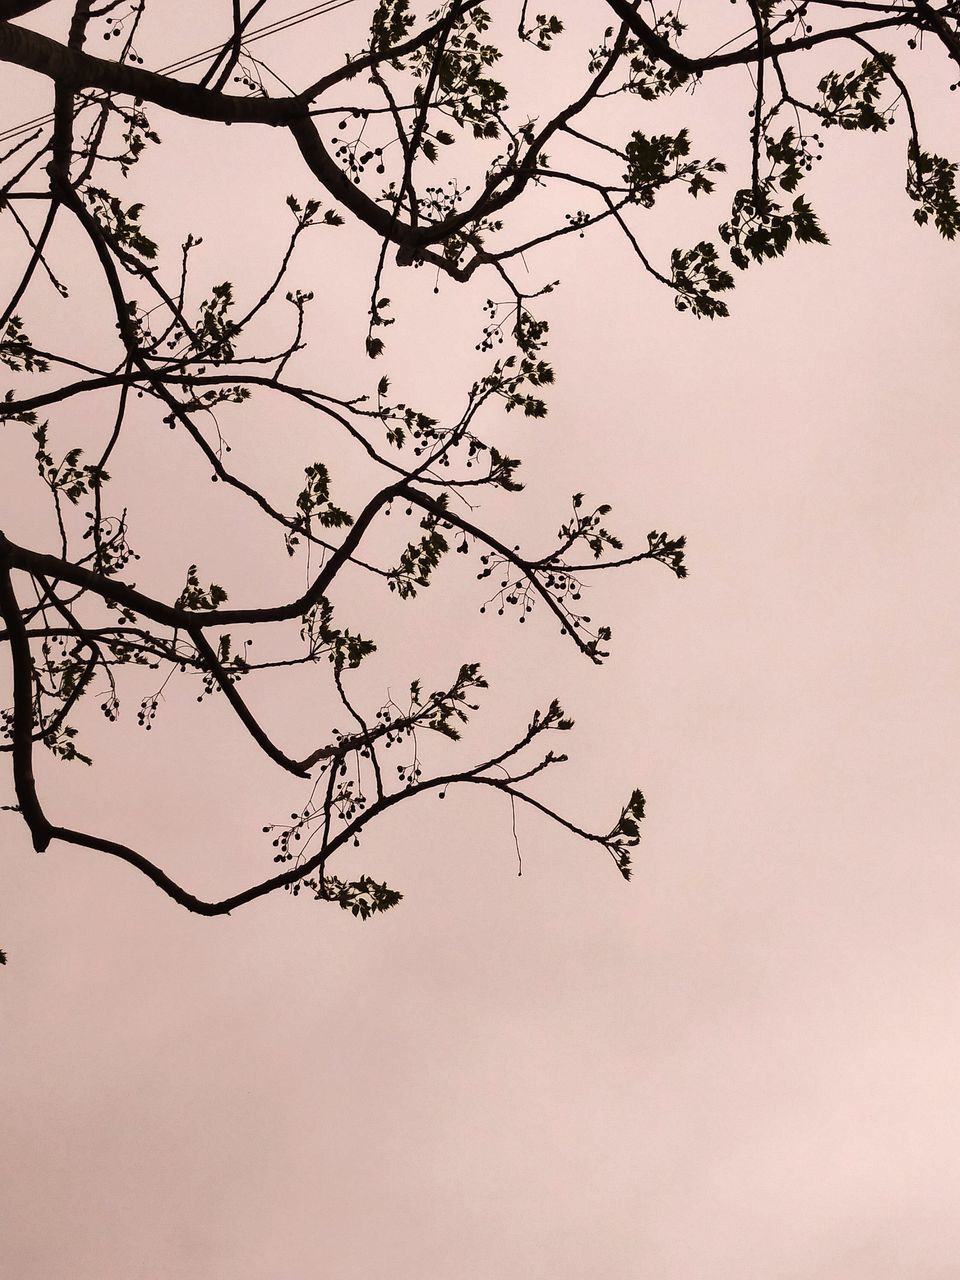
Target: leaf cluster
121	225
655	162
194	596
67	477
932	183
313	503
418	561
850	100
17	351
760	227
625	835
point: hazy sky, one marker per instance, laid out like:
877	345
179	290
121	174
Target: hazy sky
743	1064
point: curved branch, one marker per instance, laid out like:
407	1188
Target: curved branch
166	615
72	69
663	51
24	782
287	879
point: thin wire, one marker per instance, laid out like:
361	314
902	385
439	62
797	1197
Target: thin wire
259	33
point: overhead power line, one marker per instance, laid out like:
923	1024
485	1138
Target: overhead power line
184	64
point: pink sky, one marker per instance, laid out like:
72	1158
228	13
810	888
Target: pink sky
746	1062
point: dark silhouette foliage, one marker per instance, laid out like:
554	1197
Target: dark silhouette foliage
419	135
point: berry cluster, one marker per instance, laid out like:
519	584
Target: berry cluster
299	823
114	552
354	155
578	219
148	711
517	592
115	28
442	201
397	730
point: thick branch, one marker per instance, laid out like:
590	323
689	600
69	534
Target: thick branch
18	8
288	878
166	615
665	52
72	69
23	780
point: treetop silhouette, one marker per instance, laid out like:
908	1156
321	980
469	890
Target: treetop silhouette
427	134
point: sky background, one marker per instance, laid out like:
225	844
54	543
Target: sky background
744	1063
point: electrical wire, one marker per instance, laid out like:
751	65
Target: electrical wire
259	33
